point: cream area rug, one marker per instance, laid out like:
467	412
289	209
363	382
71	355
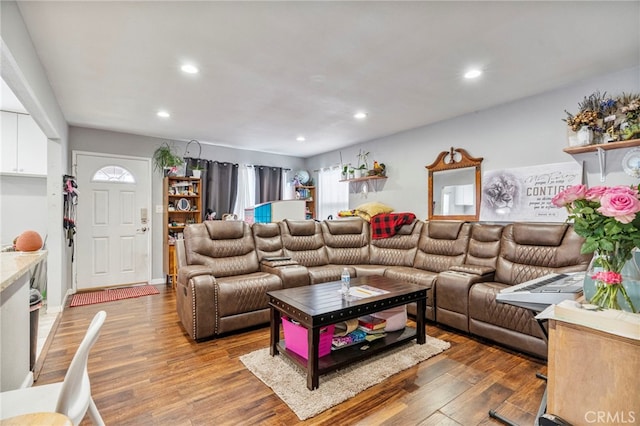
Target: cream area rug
289	381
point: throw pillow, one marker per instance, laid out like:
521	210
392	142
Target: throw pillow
367	210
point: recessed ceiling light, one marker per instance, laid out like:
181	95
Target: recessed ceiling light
164	114
474	73
360	115
301	139
189	69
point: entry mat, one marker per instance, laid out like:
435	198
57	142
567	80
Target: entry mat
110	295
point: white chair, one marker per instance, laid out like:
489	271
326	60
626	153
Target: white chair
71	397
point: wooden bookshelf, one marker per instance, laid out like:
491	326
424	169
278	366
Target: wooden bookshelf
182	205
308	194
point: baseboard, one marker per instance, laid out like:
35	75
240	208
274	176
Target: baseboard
28	381
37	368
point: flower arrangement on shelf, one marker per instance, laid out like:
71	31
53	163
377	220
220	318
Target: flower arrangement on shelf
608	218
603	118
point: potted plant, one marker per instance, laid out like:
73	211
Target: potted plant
166	160
587	126
363	164
196	170
345	171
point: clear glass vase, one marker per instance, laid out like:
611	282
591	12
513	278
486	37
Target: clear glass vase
627	294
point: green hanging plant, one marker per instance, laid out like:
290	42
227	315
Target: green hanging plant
164	157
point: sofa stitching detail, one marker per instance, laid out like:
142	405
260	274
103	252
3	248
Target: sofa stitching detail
193	308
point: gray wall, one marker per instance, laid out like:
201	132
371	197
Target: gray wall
101	141
526	132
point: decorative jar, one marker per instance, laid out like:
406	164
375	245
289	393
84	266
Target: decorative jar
585	136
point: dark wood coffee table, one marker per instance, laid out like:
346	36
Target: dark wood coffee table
319	305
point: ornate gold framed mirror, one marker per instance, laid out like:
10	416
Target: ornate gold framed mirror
454	186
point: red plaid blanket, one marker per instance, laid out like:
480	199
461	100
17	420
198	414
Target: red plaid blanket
385	225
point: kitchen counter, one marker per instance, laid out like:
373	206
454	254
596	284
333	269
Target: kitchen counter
15	321
16	263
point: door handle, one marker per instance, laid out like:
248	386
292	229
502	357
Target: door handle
143	229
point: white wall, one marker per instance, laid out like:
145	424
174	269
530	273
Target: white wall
23	206
22	71
526	132
102	141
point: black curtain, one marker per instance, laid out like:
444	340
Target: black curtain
219	185
268	184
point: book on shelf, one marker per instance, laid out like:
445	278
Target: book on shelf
372	323
372	337
353	338
370	331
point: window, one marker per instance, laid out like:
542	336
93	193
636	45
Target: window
246	190
113	174
333	196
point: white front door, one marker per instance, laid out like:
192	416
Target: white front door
113	221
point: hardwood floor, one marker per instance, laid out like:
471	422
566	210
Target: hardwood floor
145	370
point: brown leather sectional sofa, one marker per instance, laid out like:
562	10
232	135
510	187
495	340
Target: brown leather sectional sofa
223	275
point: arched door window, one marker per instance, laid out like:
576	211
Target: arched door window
114	174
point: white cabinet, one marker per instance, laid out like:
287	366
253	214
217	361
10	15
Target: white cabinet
24	146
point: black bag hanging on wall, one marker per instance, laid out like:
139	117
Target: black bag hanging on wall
70	195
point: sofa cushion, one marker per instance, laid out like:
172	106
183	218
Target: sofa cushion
344	226
416	276
443	246
301	227
226	247
302	241
219	230
484	307
326	273
539	234
484	245
444	230
519	262
399	250
266	237
347	241
245	293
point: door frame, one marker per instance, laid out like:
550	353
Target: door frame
149	233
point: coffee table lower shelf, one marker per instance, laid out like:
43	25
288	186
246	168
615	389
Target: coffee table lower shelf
345	356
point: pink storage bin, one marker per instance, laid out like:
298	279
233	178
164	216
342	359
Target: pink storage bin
295	338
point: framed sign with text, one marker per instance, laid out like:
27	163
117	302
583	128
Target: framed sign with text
525	193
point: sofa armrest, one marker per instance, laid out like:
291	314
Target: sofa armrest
482	271
452	297
291	274
277	263
185	273
197	283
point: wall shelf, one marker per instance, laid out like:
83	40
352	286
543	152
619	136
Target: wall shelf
356	184
606	146
600	149
363	179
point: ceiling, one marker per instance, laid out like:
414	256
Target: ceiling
272	71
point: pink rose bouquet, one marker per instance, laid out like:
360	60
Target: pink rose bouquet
608	218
